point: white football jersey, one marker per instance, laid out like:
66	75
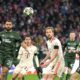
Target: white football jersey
51	44
26	55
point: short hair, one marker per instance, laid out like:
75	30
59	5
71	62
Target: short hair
49	27
8	20
72	31
27	36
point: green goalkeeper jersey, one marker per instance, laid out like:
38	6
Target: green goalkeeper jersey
9	42
70	45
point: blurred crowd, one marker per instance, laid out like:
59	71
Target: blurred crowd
63	15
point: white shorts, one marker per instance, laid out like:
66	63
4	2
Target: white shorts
22	69
58	69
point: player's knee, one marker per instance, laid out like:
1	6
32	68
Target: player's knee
0	77
5	70
45	77
50	79
20	76
13	78
74	76
53	76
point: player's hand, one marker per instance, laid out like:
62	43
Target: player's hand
42	62
39	69
45	64
23	44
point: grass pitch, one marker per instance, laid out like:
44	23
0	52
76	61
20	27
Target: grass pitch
28	77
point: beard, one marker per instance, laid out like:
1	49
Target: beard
8	29
49	37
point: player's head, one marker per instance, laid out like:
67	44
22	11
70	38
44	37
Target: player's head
8	25
49	32
72	35
28	40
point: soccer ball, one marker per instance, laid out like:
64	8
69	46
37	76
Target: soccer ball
28	11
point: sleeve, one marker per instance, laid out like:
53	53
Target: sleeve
20	53
18	42
36	59
58	46
36	51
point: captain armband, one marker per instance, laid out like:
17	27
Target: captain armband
35	54
56	47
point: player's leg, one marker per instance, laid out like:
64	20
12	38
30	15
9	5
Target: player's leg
75	76
20	76
22	73
1	62
14	76
4	72
66	66
16	72
73	72
45	77
66	71
0	77
51	77
71	62
46	72
67	74
60	70
6	66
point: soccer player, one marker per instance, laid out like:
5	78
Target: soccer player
9	43
26	54
75	72
53	64
70	51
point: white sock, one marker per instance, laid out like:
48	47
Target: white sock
75	66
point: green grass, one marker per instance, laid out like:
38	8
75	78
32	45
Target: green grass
28	77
